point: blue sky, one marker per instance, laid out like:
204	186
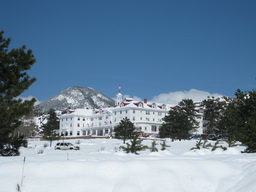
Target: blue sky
148	47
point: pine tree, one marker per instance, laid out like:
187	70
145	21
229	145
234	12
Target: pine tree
179	122
125	129
14	80
188	106
164	145
51	127
239	119
176	125
153	147
135	146
212	113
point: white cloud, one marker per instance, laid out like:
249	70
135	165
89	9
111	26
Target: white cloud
174	98
29	98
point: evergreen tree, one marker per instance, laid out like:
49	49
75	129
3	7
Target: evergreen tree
125	129
135	146
51	127
180	121
164	145
239	119
28	126
153	147
188	106
14	80
213	110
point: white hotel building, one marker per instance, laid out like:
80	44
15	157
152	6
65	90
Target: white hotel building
146	116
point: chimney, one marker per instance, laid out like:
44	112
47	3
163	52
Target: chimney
145	100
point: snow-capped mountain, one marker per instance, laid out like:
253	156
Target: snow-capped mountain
77	97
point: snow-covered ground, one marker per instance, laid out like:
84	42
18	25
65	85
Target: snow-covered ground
100	167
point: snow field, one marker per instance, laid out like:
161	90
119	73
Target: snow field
100	167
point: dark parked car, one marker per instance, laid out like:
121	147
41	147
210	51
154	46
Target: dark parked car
212	137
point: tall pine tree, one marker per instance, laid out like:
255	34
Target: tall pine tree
212	114
180	121
51	127
239	119
14	80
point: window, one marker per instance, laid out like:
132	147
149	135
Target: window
120	112
70	124
78	133
147	113
78	118
78	125
133	111
133	118
83	119
153	128
100	118
70	133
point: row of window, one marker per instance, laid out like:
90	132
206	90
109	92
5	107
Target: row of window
153	128
141	111
87	132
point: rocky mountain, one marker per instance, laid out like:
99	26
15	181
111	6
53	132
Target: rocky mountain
77	97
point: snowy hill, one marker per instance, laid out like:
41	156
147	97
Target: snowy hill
99	166
77	97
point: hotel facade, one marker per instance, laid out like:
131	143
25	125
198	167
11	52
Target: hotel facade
146	116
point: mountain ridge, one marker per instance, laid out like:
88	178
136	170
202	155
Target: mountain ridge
77	97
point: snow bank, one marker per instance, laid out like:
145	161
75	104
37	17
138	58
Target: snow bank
98	167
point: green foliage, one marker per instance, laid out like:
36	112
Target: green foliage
14	80
51	127
198	145
124	130
153	147
206	145
231	143
239	119
179	122
216	146
188	106
135	145
164	145
213	110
